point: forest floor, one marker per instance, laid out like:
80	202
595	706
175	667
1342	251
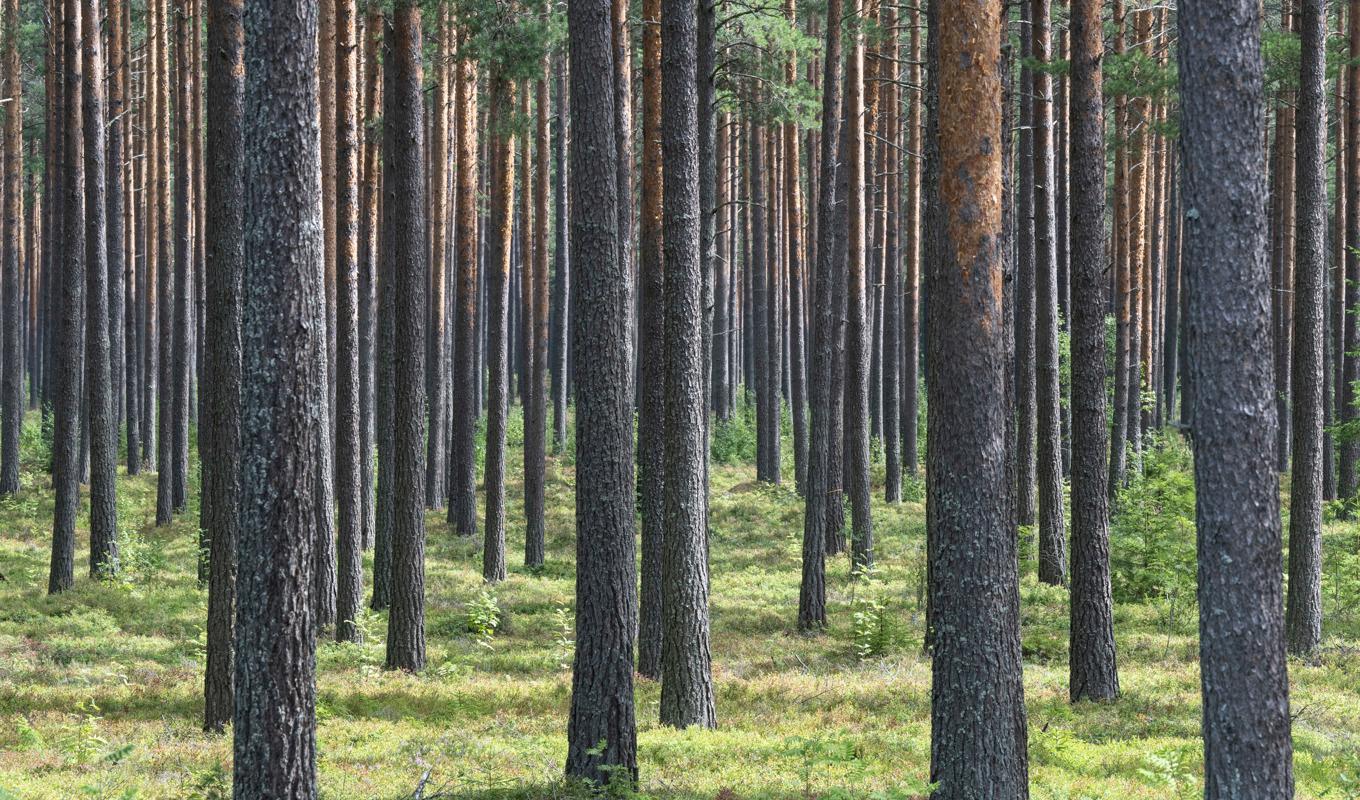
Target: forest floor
100	688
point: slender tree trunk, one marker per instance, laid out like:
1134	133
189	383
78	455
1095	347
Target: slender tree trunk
911	299
11	384
369	194
536	413
857	330
115	208
561	344
1025	362
1093	672
349	505
1304	613
812	590
1347	479
184	254
978	740
403	183
892	260
281	395
220	431
71	318
463	467
793	205
1247	750
652	417
498	282
166	269
1052	534
1120	275
601	728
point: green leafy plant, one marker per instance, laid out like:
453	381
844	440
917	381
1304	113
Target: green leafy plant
483	618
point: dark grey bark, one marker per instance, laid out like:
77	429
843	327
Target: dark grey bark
115	207
220	432
1048	391
404	190
11	383
1247	749
349	546
282	389
978	739
1093	671
184	202
1348	481
767	392
71	316
502	99
536	412
687	670
369	194
602	708
1303	618
812	590
99	393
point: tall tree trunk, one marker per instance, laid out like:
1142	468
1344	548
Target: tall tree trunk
1347	480
892	260
349	531
1093	672
184	256
71	317
220	430
652	418
1052	535
99	394
793	207
602	710
404	186
812	590
114	193
11	384
911	296
536	413
436	473
1247	750
857	325
463	461
561	315
1304	613
1025	363
497	330
369	194
687	672
166	269
1120	276
978	740
281	398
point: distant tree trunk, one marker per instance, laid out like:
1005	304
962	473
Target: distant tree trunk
687	682
463	461
349	505
1120	275
561	343
722	269
1092	673
1347	479
166	268
793	208
282	393
602	711
857	327
536	414
652	417
1283	296
502	99
623	140
911	298
114	192
404	185
1247	750
978	740
369	194
71	317
1025	363
892	260
184	255
1052	535
1304	613
12	383
812	591
220	430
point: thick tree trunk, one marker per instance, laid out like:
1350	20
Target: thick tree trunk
1247	750
978	740
281	395
602	710
1093	673
404	186
1304	614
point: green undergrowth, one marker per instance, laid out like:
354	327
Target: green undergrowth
100	687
